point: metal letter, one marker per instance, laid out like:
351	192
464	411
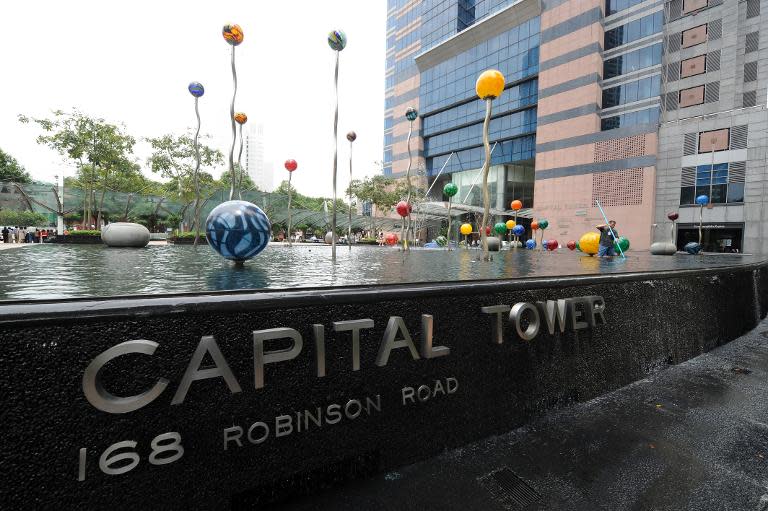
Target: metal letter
260	357
336	413
369	403
418	393
388	343
516	316
427	332
596	307
283	425
438	385
105	460
455	387
355	326
353	415
576	315
207	344
233	434
554	316
263	437
319	332
409	392
498	327
101	399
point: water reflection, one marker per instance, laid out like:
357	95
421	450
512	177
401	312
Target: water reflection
63	271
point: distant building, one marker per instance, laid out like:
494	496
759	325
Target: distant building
259	170
640	104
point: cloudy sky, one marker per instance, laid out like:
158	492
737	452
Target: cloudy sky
130	62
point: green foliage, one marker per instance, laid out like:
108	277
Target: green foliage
22	218
173	157
300	201
84	232
12	170
190	234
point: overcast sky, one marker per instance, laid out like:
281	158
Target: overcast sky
131	62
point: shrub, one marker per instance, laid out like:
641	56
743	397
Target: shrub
84	232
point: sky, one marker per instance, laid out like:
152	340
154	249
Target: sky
131	62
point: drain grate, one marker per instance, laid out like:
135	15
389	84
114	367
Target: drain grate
509	490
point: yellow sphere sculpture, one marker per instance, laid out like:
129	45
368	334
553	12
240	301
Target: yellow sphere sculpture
511	224
466	229
490	84
589	243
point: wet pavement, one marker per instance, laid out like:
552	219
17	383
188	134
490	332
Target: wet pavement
692	437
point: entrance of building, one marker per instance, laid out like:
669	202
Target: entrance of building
726	237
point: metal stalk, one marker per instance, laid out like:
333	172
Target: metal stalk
234	130
407	220
290	235
197	176
335	156
448	241
349	228
486	168
239	166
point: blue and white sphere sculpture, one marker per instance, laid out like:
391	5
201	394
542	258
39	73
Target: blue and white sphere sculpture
518	230
196	89
692	248
238	230
530	244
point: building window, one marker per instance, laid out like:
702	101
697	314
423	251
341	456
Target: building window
712	181
693	5
645	88
716	140
647	116
632	61
694	36
692	96
634	30
693	67
614	6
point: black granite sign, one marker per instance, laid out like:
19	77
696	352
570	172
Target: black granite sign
241	399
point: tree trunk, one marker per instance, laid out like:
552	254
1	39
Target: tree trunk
101	206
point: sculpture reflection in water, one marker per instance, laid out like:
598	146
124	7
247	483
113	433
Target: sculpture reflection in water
236	229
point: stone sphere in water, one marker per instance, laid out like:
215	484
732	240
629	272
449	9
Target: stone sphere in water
238	230
493	244
329	238
125	234
663	248
589	243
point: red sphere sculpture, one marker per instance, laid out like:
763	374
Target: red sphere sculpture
487	230
673	216
403	208
291	165
552	245
571	245
391	239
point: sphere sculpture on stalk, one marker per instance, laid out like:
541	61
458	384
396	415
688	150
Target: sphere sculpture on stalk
518	230
196	89
238	230
589	243
489	86
337	40
450	189
530	244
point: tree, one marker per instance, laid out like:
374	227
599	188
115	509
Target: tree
11	170
379	190
23	218
101	150
174	158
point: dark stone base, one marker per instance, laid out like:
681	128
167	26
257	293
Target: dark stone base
81	240
653	321
187	241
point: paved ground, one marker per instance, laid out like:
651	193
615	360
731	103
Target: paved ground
693	437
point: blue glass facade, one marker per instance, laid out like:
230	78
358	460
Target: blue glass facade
452	115
442	19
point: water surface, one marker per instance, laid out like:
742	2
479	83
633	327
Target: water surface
49	271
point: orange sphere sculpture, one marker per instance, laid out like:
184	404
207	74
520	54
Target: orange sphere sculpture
516	205
241	118
233	34
534	225
490	84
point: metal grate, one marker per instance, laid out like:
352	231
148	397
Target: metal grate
671	101
673	72
711	92
749	99
737	171
750	72
619	148
713	3
739	137
753	8
713	61
752	43
618	187
689	144
675	10
688	176
714	30
674	42
511	492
